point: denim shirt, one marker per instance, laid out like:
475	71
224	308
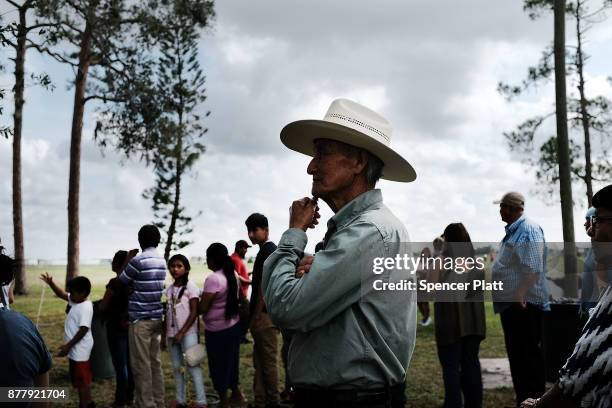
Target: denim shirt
522	251
347	336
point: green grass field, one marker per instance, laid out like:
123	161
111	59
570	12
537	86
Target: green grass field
424	377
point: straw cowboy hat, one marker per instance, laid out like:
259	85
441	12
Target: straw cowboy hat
354	124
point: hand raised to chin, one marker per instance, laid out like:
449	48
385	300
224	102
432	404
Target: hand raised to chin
304	213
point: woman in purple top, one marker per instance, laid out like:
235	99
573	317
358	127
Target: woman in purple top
219	307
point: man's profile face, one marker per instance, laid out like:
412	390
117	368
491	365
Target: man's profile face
508	214
330	168
258	235
602	234
602	240
602	230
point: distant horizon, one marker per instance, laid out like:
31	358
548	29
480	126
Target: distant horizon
94	261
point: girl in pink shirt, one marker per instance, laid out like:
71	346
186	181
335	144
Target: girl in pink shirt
181	328
219	307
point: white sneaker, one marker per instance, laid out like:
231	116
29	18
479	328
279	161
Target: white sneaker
425	322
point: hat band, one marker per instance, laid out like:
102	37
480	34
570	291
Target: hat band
358	123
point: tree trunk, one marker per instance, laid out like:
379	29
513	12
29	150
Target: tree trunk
177	192
72	268
179	163
21	287
584	114
570	259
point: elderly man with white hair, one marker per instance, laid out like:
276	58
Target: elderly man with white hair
351	344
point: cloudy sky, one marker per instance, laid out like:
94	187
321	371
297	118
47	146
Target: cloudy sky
431	68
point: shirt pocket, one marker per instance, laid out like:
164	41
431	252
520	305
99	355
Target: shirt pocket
506	256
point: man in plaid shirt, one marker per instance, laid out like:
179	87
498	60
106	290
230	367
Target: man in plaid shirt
521	266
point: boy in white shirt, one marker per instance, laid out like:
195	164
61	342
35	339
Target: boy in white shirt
78	340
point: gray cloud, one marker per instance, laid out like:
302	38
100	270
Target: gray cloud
279	55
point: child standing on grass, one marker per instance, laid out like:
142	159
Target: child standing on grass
78	340
181	328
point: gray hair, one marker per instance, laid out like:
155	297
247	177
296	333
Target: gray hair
374	169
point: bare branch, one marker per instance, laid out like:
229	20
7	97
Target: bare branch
9	42
596	12
17	6
72	27
104	98
78	8
54	55
40	25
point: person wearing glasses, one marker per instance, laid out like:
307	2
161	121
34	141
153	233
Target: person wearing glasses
521	266
584	380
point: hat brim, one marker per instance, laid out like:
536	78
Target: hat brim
300	136
522	207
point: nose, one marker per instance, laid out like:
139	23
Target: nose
311	167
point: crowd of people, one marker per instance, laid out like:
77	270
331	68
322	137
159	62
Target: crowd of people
343	343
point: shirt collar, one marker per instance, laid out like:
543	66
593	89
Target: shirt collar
511	229
355	207
149	249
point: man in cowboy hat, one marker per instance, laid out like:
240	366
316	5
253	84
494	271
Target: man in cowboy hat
351	346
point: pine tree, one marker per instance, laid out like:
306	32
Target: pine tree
165	128
588	116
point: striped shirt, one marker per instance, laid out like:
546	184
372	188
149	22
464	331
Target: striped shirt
146	273
587	374
522	251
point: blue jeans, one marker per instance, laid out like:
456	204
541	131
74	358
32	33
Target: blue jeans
176	354
124	382
461	373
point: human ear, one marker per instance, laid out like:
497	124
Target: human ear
361	161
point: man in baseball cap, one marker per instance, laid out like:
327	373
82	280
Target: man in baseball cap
512	199
240	250
521	265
